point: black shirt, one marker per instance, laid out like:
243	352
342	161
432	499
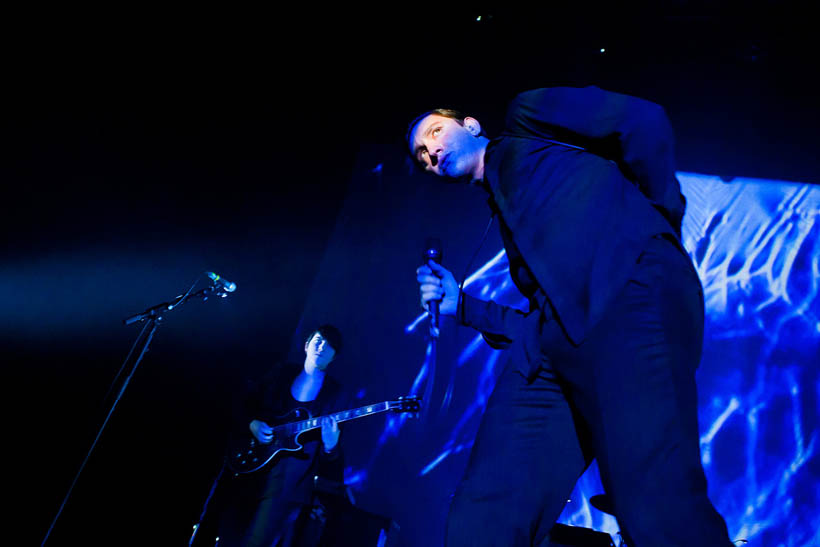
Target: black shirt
269	399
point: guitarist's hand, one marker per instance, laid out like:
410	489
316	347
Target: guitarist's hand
330	433
262	431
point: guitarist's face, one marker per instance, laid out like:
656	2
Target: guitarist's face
318	352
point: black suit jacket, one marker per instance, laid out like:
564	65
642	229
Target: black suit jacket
582	178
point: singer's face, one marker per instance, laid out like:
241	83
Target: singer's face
446	148
319	352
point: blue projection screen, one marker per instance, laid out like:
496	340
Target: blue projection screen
756	246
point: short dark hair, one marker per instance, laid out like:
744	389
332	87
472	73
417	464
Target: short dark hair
329	333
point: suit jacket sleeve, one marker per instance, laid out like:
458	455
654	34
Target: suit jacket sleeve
499	325
633	132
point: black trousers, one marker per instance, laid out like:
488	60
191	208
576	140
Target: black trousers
625	396
262	509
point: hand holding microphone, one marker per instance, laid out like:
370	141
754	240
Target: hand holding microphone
437	285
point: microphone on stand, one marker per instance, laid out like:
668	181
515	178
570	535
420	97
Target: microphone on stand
433	251
222	282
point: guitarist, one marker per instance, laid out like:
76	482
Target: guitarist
262	508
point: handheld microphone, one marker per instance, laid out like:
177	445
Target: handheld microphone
433	251
222	282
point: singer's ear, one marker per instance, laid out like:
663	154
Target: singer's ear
472	125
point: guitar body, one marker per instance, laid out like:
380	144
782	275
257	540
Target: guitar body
247	454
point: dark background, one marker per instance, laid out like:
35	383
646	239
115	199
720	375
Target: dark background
142	148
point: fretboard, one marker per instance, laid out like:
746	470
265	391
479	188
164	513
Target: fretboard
344	416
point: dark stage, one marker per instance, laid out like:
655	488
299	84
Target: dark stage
143	149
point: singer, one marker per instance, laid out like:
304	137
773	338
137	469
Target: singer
603	363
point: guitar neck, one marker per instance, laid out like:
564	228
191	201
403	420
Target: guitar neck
344	416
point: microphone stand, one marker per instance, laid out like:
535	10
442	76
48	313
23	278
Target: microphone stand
207	501
154	316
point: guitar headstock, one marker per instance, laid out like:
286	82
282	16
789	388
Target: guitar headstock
410	403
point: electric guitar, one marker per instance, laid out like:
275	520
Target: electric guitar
248	454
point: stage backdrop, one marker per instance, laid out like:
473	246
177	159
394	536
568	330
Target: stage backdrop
756	246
